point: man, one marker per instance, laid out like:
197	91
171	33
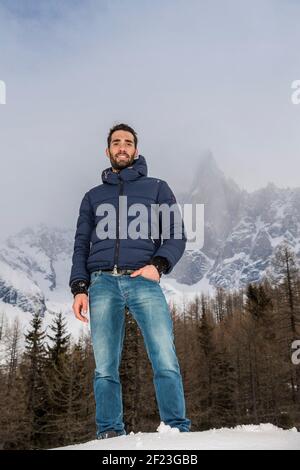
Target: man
110	274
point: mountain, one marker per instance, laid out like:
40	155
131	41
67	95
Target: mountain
241	231
34	268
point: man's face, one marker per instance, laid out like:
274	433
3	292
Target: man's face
121	151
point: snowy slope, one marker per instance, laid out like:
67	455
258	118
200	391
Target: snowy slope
263	437
34	275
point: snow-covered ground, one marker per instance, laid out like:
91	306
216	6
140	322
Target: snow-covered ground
262	437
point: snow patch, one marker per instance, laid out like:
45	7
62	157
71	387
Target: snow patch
251	437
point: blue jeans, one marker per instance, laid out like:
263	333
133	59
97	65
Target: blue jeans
108	297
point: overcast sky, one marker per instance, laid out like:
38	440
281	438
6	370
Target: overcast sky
188	75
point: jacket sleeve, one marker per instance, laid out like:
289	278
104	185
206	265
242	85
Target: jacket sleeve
85	225
171	248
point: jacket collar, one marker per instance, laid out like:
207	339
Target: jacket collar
130	173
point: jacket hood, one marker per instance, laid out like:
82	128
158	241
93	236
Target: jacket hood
130	173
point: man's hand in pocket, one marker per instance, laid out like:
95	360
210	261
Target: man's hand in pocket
149	271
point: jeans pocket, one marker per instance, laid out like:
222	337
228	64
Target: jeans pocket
148	279
94	276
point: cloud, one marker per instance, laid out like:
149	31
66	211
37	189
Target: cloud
187	75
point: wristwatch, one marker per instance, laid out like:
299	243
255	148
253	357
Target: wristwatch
79	287
161	263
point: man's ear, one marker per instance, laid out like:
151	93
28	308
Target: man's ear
107	152
136	153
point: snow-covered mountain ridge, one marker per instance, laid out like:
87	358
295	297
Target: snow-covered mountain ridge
242	230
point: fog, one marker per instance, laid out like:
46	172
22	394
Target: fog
187	76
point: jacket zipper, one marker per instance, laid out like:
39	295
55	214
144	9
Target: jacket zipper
117	247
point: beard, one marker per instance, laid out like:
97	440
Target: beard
118	163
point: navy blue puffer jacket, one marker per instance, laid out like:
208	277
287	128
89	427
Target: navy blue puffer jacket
92	253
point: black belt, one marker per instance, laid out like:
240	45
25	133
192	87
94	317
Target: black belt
118	271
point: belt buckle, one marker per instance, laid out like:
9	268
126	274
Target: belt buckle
115	272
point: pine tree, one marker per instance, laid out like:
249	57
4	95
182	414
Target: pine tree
32	372
12	410
59	342
205	332
66	403
286	266
13	353
87	409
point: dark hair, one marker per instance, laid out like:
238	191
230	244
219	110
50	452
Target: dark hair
122	127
